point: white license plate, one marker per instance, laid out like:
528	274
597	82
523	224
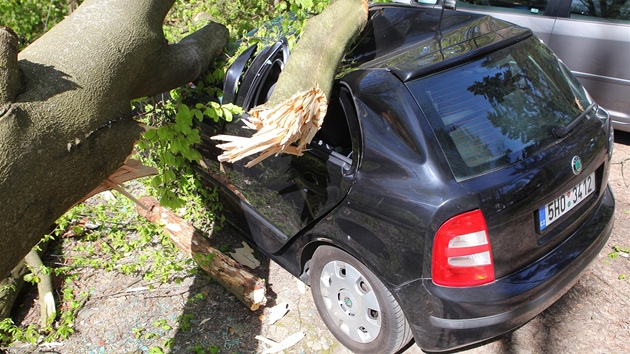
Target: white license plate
553	210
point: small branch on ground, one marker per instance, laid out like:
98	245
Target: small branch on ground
44	288
248	288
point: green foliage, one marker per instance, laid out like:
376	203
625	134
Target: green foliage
163	324
185	321
34	334
200	349
32	18
121	241
169	145
617	251
9	332
624	252
137	332
239	16
156	350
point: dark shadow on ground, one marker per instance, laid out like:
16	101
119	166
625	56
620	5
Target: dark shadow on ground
212	318
622	137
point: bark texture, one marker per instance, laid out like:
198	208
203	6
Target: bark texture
65	119
248	288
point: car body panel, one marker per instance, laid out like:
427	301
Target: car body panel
461	318
304	189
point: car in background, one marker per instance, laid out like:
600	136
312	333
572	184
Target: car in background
457	187
592	37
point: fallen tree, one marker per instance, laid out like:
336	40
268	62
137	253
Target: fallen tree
65	117
296	109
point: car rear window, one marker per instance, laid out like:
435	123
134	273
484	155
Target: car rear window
499	109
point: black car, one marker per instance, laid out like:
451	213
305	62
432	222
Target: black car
457	187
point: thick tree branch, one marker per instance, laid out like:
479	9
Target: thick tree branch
70	126
174	65
298	104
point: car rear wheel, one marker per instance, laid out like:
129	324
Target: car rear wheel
355	305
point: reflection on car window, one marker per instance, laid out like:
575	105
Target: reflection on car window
533	7
607	10
500	109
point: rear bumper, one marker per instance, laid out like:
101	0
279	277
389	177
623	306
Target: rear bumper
444	319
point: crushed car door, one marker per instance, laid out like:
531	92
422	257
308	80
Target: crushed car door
281	196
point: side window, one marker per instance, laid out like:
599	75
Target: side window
334	131
333	142
601	10
531	7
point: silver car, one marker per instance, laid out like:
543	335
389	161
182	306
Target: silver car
592	37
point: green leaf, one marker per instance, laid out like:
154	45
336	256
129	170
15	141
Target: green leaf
164	133
186	129
198	114
227	115
184	115
210	112
193	137
150	134
156	181
175	95
169	158
175	147
171	175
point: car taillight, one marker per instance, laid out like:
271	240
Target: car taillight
462	255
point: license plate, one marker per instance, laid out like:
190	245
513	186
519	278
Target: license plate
553	210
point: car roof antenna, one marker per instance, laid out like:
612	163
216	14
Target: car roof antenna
438	32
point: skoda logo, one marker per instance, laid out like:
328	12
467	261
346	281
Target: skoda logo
576	165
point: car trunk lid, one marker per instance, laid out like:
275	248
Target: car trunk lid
519	131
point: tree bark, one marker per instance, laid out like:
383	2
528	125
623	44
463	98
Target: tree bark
248	288
9	70
65	117
298	104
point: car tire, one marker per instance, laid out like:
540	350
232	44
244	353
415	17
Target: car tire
355	305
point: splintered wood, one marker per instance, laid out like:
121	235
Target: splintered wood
287	127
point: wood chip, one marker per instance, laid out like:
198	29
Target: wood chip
277	312
285	128
286	343
245	256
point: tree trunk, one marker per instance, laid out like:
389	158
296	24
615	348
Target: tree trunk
65	118
248	288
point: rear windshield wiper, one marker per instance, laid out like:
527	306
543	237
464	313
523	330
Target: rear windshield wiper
562	131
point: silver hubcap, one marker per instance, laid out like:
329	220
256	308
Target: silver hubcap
350	301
